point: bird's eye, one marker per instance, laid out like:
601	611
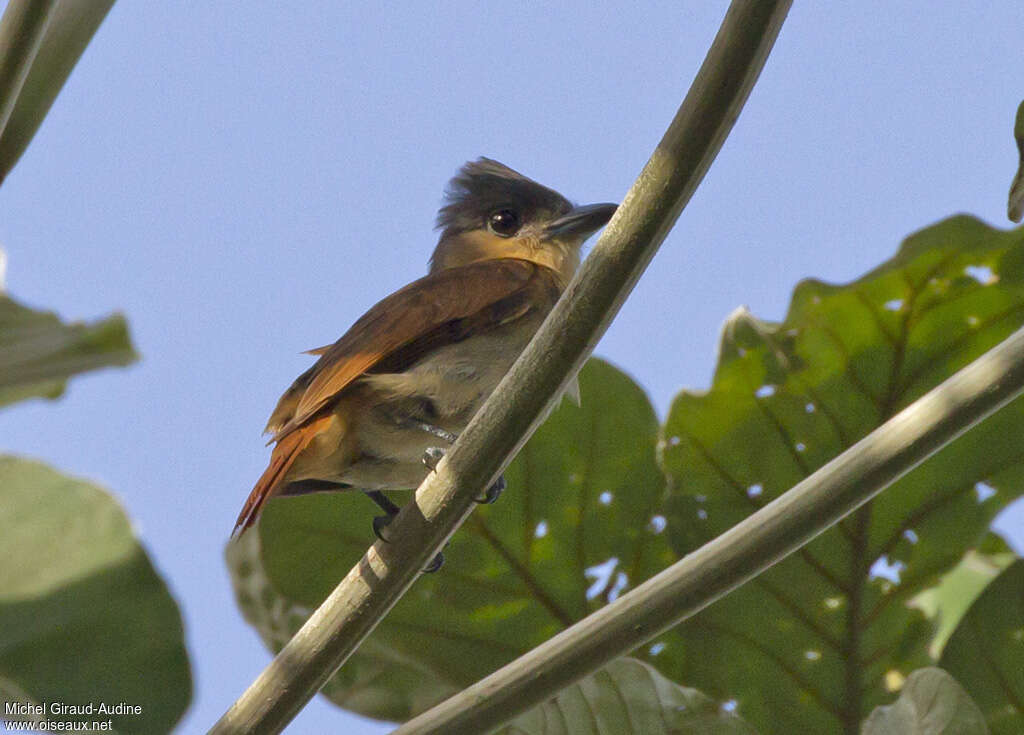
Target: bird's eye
504	222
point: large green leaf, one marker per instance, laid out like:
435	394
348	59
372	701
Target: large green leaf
583	491
986	651
930	703
627	697
38	352
949	600
31	74
813	644
84	618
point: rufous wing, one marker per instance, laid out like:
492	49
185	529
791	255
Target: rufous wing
441	308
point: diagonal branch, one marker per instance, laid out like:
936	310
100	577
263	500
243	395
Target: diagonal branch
40	43
21	34
542	372
748	548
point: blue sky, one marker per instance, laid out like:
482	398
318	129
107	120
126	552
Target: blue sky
244	184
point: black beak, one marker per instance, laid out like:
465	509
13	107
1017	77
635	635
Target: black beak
580	221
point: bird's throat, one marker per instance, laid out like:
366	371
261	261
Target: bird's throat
473	247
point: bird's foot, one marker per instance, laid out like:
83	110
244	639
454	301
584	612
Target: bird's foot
382	522
435	564
492	493
379	524
390	509
433	455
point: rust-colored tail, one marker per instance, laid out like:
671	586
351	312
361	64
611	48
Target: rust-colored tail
270	482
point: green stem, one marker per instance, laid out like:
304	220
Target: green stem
21	34
542	372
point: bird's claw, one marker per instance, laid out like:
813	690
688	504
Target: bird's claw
432	456
436	563
492	493
379	524
382	522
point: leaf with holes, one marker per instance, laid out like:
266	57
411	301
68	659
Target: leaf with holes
38	352
627	697
812	644
948	601
930	703
986	651
576	526
84	618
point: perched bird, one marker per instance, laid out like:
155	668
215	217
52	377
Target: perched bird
416	367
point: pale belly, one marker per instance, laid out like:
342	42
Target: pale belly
388	414
443	390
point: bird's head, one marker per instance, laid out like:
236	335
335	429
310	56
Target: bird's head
492	211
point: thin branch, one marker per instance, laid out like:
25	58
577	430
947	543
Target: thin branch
542	372
40	43
21	34
1015	202
748	548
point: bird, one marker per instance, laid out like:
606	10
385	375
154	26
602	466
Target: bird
371	412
